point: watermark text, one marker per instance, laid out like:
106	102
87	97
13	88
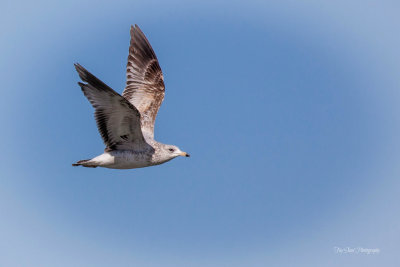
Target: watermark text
356	250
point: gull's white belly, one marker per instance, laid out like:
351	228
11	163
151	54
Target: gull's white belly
124	160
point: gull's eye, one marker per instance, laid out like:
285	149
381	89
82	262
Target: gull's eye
171	149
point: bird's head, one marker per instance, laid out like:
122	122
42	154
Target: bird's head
174	151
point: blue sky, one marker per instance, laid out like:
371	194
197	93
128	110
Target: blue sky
288	108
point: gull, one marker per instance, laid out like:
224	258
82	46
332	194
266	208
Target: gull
126	122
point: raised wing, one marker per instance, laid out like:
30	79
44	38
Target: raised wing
118	120
145	83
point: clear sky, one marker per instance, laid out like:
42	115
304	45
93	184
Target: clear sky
289	110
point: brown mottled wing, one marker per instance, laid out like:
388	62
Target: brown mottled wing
145	83
118	120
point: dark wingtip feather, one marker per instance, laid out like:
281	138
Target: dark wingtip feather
80	162
132	30
82	85
86	76
77	66
82	72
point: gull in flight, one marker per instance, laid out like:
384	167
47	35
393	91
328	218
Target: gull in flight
126	123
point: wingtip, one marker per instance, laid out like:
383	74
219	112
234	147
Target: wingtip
132	31
82	72
82	86
78	67
135	30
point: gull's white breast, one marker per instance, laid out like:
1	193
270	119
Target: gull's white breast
124	160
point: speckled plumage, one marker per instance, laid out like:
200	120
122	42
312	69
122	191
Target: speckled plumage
126	123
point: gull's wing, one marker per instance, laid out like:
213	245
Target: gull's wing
144	80
118	120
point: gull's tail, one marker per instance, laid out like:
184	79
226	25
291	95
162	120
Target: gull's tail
85	163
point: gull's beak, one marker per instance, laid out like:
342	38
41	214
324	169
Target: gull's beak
184	154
